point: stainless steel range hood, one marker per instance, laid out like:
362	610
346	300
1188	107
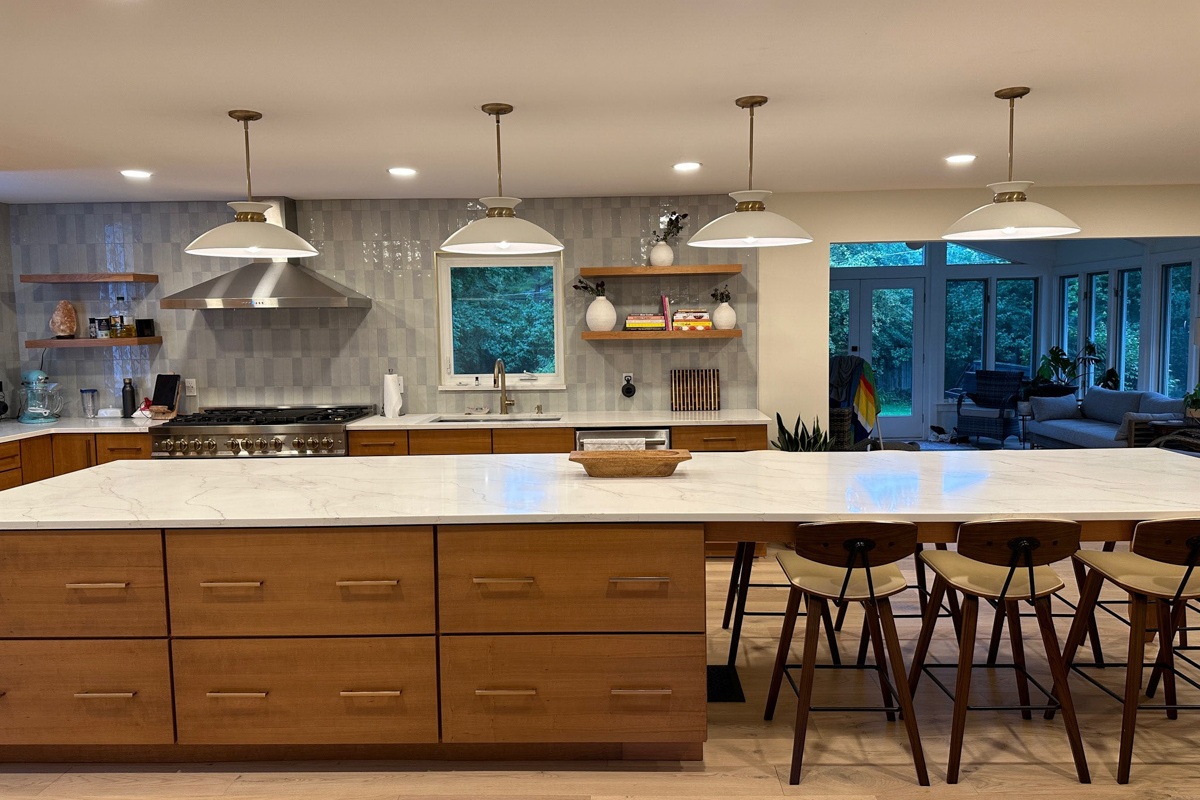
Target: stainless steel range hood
269	284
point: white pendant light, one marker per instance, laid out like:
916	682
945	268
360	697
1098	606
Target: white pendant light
1010	215
250	235
750	224
501	232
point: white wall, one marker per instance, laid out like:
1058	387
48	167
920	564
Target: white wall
794	281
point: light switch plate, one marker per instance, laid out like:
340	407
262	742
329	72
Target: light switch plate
189	387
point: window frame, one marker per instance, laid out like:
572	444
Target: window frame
1161	333
450	382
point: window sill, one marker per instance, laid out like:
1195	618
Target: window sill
512	387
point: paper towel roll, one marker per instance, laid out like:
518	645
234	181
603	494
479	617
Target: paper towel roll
393	395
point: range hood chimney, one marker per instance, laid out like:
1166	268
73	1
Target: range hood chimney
269	283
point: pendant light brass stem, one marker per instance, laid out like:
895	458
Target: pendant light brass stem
1011	94
246	132
750	176
498	110
246	117
751	102
499	164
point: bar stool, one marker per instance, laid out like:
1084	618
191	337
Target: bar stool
847	562
1159	565
1007	561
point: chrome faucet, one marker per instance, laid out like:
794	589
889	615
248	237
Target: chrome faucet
500	381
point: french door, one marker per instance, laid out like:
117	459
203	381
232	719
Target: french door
883	322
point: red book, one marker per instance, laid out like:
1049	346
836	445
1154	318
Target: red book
667	313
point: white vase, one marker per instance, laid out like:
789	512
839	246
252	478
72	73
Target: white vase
661	255
601	315
724	318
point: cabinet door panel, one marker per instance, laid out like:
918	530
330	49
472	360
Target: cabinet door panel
37	458
73	451
452	442
533	440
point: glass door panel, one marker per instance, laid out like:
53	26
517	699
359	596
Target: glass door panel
892	349
1176	328
1097	327
966	318
1069	315
839	322
1129	332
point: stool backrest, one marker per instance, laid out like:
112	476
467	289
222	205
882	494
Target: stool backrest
856	545
1171	541
1019	544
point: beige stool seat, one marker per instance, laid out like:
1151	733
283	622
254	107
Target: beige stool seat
822	580
987	580
1136	573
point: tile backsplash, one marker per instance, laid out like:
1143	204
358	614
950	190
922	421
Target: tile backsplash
384	249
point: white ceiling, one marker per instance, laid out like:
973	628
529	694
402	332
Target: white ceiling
608	94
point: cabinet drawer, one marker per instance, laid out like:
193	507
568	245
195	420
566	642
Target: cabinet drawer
571	578
311	582
378	443
719	437
10	456
10	478
573	688
121	446
533	440
443	443
306	691
85	691
60	584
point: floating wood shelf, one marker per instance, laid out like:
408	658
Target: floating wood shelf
92	277
605	335
134	342
649	272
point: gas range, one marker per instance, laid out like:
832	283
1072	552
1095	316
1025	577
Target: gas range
257	432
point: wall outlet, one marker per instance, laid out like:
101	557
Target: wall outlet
189	387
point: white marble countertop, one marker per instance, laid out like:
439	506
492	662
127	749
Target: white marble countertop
754	486
11	430
572	419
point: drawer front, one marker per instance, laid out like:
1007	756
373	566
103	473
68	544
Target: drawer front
73	451
60	584
455	442
10	456
571	578
719	437
10	478
306	691
378	443
533	440
121	446
85	691
330	581
648	688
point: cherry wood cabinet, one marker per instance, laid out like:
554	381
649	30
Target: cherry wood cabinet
37	459
702	438
73	451
459	441
121	446
378	443
533	440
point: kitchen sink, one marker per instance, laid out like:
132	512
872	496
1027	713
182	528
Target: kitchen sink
458	419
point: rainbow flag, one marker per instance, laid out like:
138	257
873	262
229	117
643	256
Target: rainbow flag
866	403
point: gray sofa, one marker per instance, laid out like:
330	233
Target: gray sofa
1103	419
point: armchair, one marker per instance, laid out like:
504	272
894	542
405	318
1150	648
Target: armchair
991	410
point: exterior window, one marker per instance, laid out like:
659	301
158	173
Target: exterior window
1129	327
1176	328
966	314
1069	314
839	322
958	255
1016	324
876	254
492	307
1098	320
892	337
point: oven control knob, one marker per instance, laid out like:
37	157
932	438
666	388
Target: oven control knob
234	445
261	444
166	445
312	443
298	443
277	444
210	445
247	444
327	443
196	444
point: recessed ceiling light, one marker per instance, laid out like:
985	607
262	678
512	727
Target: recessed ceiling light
688	166
136	173
965	158
402	172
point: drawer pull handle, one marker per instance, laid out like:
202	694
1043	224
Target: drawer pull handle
719	439
641	691
230	584
376	444
382	693
97	585
502	580
505	692
112	449
104	695
236	695
639	579
367	583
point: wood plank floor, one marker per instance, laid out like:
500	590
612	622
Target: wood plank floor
859	756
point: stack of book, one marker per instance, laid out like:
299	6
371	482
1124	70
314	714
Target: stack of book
691	319
645	322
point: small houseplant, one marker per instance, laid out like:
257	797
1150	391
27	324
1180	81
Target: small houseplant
1058	374
724	318
800	439
601	316
1191	404
661	253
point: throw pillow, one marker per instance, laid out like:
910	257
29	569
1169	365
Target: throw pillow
1108	405
1123	431
1155	403
1048	408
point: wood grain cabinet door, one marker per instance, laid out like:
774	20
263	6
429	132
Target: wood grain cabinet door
301	582
37	459
571	578
719	437
73	451
449	442
121	446
378	443
533	440
306	691
638	688
65	585
85	691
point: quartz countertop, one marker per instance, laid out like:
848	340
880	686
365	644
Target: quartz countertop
11	430
1132	484
570	419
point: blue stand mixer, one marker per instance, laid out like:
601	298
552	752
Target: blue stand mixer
40	401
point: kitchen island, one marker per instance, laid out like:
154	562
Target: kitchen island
442	607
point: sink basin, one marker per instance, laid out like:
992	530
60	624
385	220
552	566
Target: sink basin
459	419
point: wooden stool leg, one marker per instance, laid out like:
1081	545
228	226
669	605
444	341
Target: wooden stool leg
830	638
962	686
1133	682
1058	670
952	600
1013	611
808	669
902	688
876	635
1093	632
997	632
1165	662
785	645
922	587
932	609
731	595
1083	612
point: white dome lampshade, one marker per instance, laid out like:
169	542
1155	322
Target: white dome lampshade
250	237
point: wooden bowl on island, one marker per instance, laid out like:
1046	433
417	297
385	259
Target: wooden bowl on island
630	463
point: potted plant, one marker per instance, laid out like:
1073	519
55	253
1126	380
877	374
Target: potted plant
601	316
1058	374
800	439
724	318
1191	405
661	254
